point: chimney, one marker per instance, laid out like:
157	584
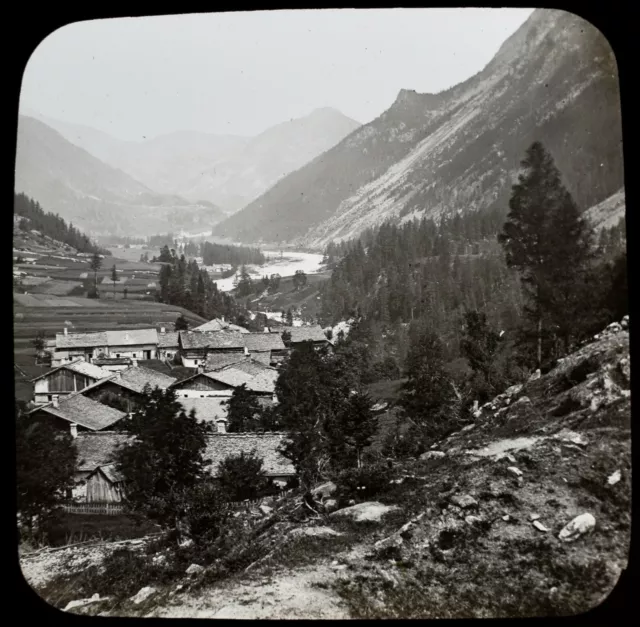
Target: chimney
162	330
266	329
200	368
65	330
54	401
221	423
134	362
74	430
222	318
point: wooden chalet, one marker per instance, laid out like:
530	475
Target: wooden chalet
195	347
313	334
66	379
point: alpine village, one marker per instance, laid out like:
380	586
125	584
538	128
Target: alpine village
393	382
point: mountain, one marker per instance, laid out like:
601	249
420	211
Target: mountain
227	170
67	180
553	80
242	175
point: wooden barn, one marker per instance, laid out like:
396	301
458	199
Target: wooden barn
105	485
65	380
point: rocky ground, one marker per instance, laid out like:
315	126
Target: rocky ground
525	511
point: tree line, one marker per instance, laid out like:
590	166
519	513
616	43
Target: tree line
52	225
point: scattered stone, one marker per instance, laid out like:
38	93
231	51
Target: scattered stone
464	501
472	520
624	367
577	527
432	455
506	518
82	602
318	532
533	517
539	526
159	559
143	594
516	471
523	400
614	327
265	509
614	478
514	389
467	428
571	436
363	512
194	569
535	376
625	322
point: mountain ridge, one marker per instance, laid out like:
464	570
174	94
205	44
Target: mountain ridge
554	79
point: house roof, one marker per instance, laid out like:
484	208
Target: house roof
97	448
132	337
168	340
217	361
136	377
252	367
307	334
264	382
230	376
222	339
223	445
81	340
81	367
110	472
263	342
207	409
219	325
83	411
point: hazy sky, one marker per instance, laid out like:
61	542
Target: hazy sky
240	73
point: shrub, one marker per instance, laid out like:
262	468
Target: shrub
207	512
242	476
364	482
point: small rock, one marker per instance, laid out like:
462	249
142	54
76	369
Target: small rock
324	490
538	525
464	501
614	478
506	517
535	376
143	594
321	532
514	389
467	428
330	505
265	509
533	517
194	569
577	527
596	336
432	455
334	563
523	400
625	322
614	327
516	471
571	436
472	520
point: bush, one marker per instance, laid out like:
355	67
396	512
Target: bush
363	483
406	445
207	512
242	476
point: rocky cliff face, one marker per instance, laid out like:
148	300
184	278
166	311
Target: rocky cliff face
554	80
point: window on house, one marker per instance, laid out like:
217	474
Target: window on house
49	397
195	361
118	355
135	355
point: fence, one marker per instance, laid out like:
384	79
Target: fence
94	508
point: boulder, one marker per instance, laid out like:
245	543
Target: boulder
577	527
614	327
539	526
82	602
371	511
143	594
514	389
472	520
625	322
467	428
464	501
614	478
324	490
515	471
265	509
571	436
432	455
535	376
194	569
624	368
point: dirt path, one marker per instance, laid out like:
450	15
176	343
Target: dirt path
284	595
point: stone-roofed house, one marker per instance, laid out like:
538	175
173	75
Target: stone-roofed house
217	361
72	346
168	345
124	389
265	346
195	347
65	380
222	445
313	334
77	413
210	409
219	324
133	343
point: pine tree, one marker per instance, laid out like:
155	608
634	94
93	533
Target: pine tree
243	411
95	264
547	241
114	279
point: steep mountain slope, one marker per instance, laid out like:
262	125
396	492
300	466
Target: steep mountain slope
87	192
227	170
242	175
554	80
